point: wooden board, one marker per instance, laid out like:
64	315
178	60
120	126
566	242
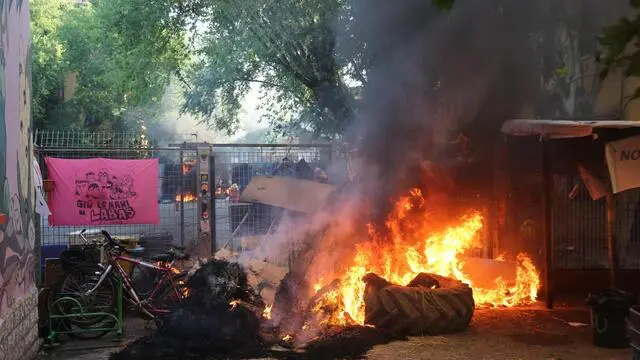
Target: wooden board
289	193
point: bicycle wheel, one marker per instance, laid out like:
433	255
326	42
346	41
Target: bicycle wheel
144	280
171	294
91	310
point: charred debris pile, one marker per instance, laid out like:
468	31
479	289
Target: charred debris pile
223	318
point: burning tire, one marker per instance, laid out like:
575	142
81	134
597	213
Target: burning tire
429	305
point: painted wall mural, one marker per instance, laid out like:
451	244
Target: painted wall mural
17	234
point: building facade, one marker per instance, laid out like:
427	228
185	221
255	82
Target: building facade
18	293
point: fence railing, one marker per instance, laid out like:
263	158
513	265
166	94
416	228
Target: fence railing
181	221
179	182
237	164
578	224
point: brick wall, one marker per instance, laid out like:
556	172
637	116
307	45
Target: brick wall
19	330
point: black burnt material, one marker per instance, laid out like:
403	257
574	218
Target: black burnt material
221	319
210	322
290	303
350	342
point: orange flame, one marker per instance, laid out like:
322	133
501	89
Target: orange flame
186	197
413	246
267	312
184	289
220	191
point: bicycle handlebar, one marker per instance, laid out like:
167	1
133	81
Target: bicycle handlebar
104	233
82	235
107	236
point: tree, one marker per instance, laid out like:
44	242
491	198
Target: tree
620	43
288	48
304	57
97	43
48	51
567	44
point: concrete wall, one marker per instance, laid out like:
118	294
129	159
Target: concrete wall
18	294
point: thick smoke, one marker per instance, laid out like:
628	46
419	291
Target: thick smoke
435	73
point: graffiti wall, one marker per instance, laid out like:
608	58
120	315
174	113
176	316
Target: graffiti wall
17	232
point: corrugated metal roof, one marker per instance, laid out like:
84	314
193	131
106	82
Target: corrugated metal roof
561	129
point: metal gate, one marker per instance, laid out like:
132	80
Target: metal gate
179	181
178	218
238	163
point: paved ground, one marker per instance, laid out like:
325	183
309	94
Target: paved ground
510	335
523	334
69	349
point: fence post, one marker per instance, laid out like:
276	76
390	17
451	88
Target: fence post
182	193
213	186
546	223
612	244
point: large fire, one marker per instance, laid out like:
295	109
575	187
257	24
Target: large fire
413	245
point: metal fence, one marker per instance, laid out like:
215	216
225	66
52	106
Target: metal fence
179	189
578	224
178	219
237	164
579	229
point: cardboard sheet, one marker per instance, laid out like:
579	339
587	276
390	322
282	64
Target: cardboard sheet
289	193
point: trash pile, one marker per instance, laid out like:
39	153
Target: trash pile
223	318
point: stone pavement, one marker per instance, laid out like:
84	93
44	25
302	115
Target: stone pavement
98	349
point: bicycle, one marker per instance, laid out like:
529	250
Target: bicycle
94	287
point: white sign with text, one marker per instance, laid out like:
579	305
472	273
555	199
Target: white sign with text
623	161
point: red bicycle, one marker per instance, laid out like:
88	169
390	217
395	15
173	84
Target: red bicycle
93	286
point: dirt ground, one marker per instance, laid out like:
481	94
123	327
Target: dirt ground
522	334
504	334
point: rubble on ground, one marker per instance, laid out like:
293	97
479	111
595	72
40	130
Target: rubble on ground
222	318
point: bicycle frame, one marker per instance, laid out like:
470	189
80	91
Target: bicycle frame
127	283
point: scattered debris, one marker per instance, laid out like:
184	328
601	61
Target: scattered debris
571	323
223	318
348	341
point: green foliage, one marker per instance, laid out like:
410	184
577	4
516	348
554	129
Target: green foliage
307	74
48	54
101	43
125	53
286	48
621	45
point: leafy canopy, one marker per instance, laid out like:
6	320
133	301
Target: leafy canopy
621	45
98	45
304	57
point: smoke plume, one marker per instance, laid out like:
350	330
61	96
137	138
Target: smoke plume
434	73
